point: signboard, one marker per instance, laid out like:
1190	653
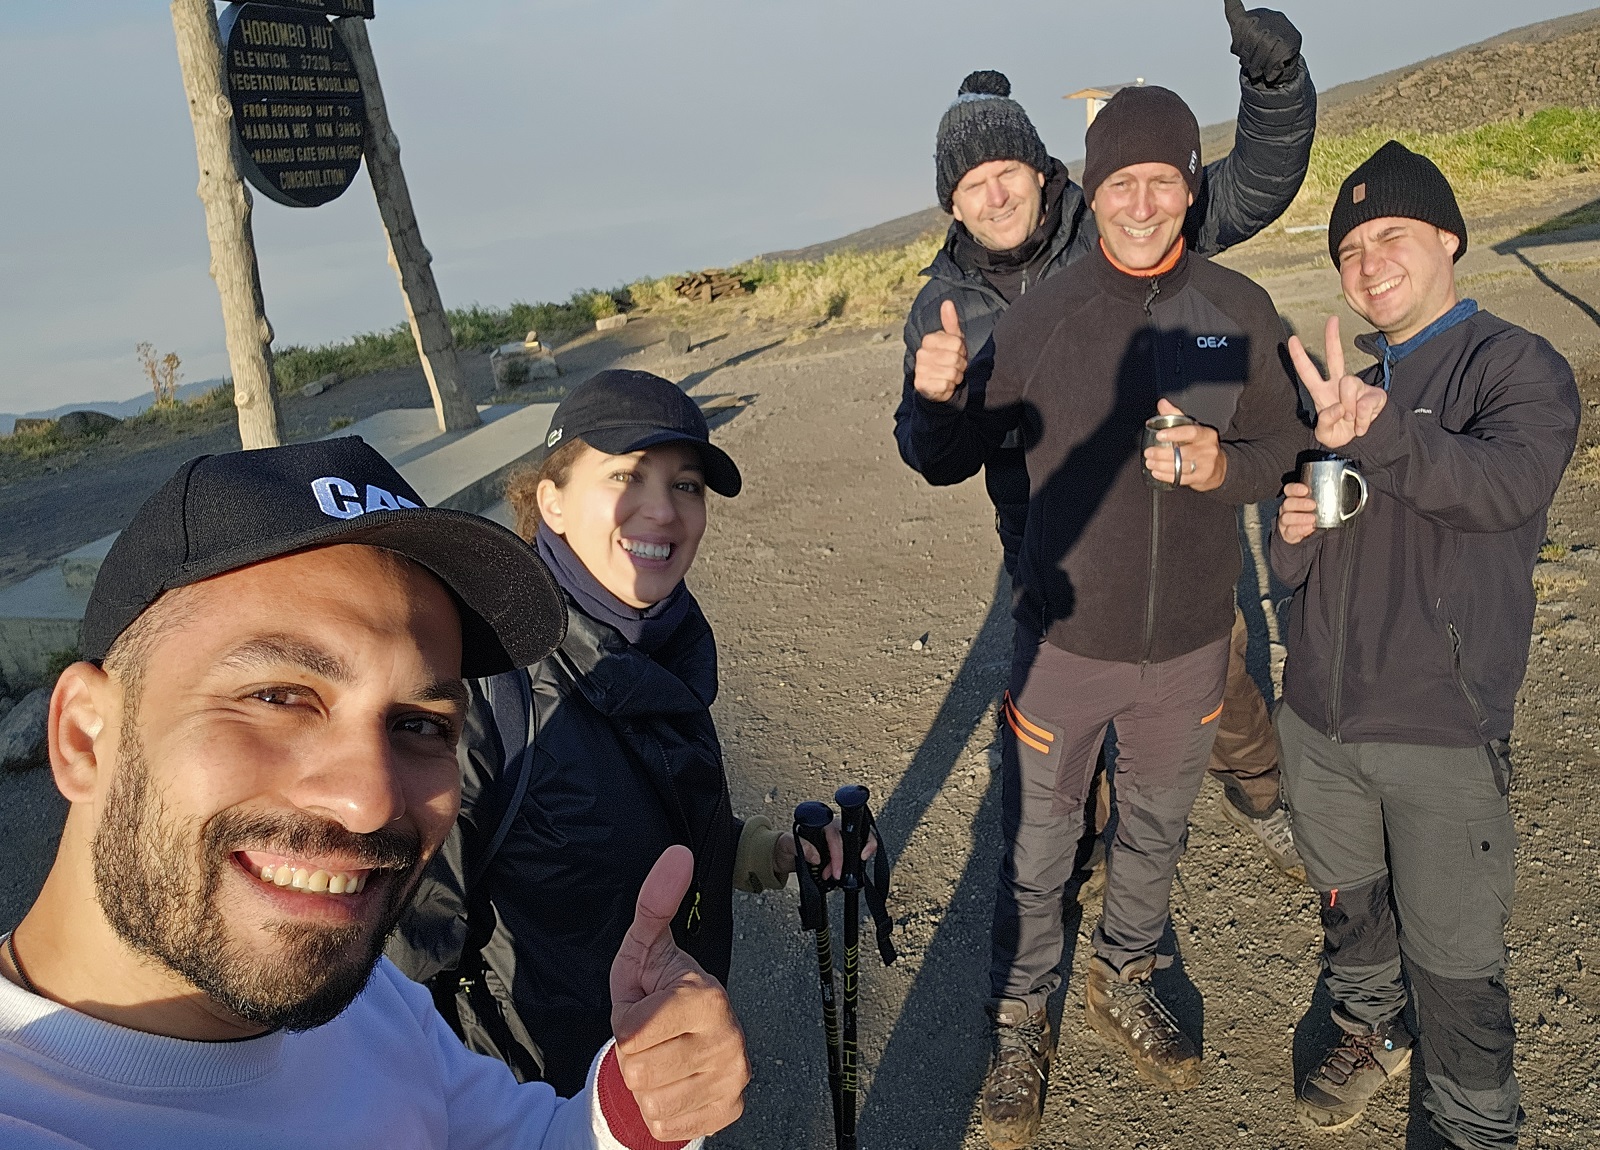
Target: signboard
300	122
362	8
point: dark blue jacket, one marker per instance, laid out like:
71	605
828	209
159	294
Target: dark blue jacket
1411	623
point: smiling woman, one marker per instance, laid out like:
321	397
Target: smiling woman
624	760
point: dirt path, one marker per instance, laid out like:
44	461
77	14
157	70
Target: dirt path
821	577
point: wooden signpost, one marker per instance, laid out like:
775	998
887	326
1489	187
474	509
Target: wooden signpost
289	101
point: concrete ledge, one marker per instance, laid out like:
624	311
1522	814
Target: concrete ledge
465	470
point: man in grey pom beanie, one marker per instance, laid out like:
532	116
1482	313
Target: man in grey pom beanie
1408	644
1019	218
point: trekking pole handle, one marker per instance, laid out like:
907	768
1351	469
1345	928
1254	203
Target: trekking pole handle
811	823
852	802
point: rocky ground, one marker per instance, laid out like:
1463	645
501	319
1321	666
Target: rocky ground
1503	78
822	578
865	639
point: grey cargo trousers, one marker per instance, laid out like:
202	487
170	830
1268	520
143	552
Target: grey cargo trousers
1411	849
1055	717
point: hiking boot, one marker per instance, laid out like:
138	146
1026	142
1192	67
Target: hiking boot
1013	1090
1091	875
1124	1008
1275	832
1334	1094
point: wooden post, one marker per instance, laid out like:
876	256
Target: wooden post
228	203
410	260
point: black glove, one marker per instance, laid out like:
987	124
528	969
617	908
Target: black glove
1266	43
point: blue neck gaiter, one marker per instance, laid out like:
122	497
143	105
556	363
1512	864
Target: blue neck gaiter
1393	354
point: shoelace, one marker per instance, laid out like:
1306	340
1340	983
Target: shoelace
1146	1013
1278	831
1350	1057
1017	1060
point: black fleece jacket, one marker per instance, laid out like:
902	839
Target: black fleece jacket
1411	624
1112	568
1240	194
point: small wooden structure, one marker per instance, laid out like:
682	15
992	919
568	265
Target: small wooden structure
1096	98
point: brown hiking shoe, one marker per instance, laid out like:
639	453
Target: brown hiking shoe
1274	831
1019	1068
1334	1095
1124	1008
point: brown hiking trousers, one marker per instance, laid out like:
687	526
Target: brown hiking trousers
1244	758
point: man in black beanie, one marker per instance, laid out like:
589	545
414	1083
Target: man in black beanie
1408	642
1126	576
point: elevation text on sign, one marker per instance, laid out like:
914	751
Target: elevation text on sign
299	117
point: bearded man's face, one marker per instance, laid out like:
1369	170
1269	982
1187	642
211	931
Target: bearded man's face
284	768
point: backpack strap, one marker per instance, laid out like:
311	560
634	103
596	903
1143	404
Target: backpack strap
511	700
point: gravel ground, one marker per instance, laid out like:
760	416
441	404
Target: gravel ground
819	579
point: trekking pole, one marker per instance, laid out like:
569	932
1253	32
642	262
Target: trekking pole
853	818
811	822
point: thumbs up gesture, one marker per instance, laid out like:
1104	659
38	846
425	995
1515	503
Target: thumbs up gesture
942	358
1346	405
1264	40
679	1047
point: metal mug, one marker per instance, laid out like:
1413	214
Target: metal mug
1329	477
1158	423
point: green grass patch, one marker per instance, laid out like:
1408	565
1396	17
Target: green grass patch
1578	217
474	327
853	286
1478	161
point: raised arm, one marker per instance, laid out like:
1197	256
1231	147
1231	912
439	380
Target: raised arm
1255	183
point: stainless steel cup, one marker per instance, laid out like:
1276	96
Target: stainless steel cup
1330	479
1158	423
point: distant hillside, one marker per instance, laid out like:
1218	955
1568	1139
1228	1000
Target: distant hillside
119	408
1556	62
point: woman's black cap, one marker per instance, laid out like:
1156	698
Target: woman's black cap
223	512
618	412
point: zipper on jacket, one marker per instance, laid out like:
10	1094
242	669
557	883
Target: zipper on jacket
1336	666
1461	678
1155	560
1155	290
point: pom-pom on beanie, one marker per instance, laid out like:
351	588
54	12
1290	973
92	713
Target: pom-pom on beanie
983	124
1395	181
1142	125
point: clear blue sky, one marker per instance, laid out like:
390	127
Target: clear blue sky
561	144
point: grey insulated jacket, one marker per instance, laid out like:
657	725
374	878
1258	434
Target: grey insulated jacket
1411	624
1240	194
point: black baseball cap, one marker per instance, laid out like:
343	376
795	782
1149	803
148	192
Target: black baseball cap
223	512
619	411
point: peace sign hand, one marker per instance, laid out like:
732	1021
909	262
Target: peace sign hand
1346	405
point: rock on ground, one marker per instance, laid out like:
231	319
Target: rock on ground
22	731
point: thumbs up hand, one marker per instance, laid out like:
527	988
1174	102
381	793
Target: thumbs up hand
1264	40
942	358
679	1046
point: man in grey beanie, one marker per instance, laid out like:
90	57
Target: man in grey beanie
1018	219
1408	642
